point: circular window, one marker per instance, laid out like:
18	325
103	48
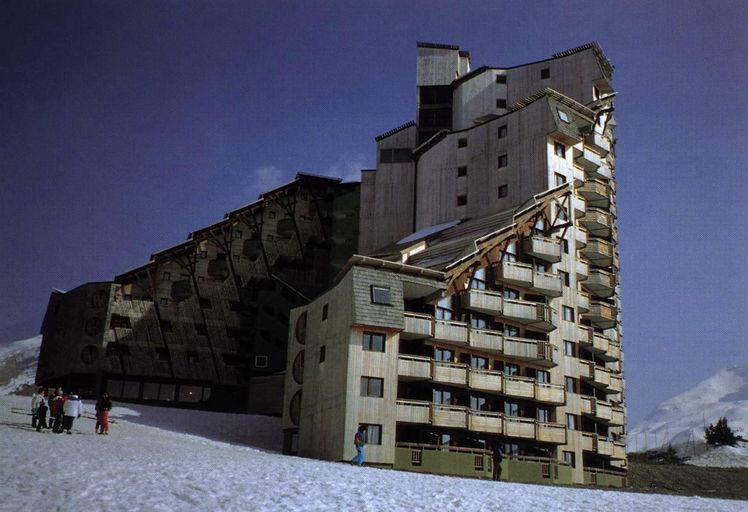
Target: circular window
294	408
89	354
92	326
298	368
301	328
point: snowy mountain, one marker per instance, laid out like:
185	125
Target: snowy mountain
681	420
18	366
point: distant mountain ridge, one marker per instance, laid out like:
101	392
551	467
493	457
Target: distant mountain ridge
681	419
18	361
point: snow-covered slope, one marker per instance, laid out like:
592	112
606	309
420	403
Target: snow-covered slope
723	457
18	365
682	419
155	461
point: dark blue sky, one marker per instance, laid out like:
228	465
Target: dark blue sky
123	126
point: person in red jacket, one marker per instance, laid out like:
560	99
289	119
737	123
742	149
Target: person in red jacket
55	411
103	406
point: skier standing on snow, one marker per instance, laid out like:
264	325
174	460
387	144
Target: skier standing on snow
41	413
497	456
358	441
103	406
55	411
72	409
35	399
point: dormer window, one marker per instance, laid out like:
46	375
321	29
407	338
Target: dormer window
563	116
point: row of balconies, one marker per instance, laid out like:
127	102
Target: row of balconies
424	326
600	410
603	446
453	416
603	347
523	275
537	315
491	381
600	377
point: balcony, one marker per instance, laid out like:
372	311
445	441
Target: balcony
616	383
579	205
512	272
450	373
485	421
540	352
601	283
588	441
482	301
417	326
485	380
546	283
599	252
618	416
451	416
519	427
580	239
414	367
582	269
413	411
604	447
588	160
596	193
544	248
519	387
601	315
484	339
550	432
598	143
550	393
613	352
597	222
449	330
583	302
537	315
594	342
619	450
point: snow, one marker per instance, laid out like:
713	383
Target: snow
681	420
169	459
723	457
18	364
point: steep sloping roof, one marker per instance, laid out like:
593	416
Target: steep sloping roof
394	130
605	64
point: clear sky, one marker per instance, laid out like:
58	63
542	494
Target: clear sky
125	125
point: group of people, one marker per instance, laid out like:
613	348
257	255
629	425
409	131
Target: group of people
64	409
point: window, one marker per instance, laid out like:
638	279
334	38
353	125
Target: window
269	238
502	131
200	279
372	386
510	293
543	376
325	309
444	308
478	362
570	384
560	179
322	353
461	200
477	403
202	255
545	73
478	462
559	150
394	156
569	459
167	276
502	161
563	116
372	433
568	314
510	252
261	361
128	296
500	103
120	322
442	397
236	257
201	329
462	143
166	326
443	354
565	245
503	191
462	171
373	341
595	93
478	280
544	415
511	369
500	79
271	214
569	348
571	422
380	295
564	277
163	301
237	233
511	409
205	303
162	354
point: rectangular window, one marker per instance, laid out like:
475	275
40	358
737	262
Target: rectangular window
500	103
372	433
564	277
571	422
162	354
205	303
269	238
478	462
500	79
128	296
570	384
373	341
563	116
544	415
559	150
511	293
201	329
325	309
560	179
237	233
569	348
444	308
568	314
261	361
322	353
462	142
163	301
271	214
442	397
511	409
545	73
502	131
543	376
461	200
503	191
394	156
203	255
372	386
569	459
443	354
503	161
478	362
461	171
120	322
477	403
200	279
166	326
380	295
167	276
565	245
511	369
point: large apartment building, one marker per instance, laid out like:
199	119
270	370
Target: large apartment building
204	323
486	309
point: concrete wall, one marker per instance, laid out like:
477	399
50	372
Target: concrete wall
477	97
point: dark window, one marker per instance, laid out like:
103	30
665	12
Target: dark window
545	73
565	245
560	179
128	296
322	353
120	321
503	161
569	348
543	376
380	295
201	329
544	415
237	234
325	309
500	79
500	103
462	171
163	301
461	200
478	362
271	214
443	354
200	279
502	131
372	433
373	341
569	459
564	277
571	422
462	143
394	156
269	238
205	303
203	254
162	354
571	384
261	361
167	276
511	369
372	386
559	150
568	314
166	326
503	191
435	94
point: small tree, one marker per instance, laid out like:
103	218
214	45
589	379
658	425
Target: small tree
720	434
